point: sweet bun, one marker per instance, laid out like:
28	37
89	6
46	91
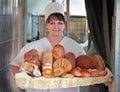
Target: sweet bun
76	71
48	73
98	62
85	73
71	57
32	56
94	72
85	62
97	73
58	51
62	63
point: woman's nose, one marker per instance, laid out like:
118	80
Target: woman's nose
56	26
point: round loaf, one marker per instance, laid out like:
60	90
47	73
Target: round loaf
62	63
85	62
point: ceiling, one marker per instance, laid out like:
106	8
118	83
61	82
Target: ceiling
36	7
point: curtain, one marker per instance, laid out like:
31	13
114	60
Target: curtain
99	16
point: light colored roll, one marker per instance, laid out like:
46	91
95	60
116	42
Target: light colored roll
47	60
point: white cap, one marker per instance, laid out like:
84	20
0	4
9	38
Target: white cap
53	7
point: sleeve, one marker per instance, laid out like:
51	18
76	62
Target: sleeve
19	59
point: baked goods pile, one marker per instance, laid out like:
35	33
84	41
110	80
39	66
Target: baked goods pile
57	63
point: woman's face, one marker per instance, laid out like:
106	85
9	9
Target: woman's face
55	27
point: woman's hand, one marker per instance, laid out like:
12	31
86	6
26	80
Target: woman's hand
15	69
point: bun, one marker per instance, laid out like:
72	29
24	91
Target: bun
96	73
48	73
32	56
85	73
62	63
98	62
58	51
85	62
71	57
76	71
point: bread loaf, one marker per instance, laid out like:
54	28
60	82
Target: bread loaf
47	60
62	63
76	71
98	62
32	56
58	51
71	57
85	62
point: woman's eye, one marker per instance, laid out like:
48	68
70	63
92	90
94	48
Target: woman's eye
60	23
51	23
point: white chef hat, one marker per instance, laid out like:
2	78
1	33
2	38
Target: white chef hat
53	7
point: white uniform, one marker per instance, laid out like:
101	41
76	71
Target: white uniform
44	45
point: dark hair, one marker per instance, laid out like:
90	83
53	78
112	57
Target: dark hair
56	16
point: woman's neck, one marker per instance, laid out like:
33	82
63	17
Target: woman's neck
55	39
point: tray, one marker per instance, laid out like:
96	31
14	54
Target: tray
24	81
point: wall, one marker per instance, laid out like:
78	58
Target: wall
11	39
78	28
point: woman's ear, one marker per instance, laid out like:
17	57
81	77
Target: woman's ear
46	26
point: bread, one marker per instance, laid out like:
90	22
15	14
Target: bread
67	75
97	73
32	56
98	62
58	71
31	69
85	73
85	62
94	72
76	71
48	73
62	63
47	60
58	51
71	57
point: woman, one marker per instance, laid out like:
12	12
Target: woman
55	23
